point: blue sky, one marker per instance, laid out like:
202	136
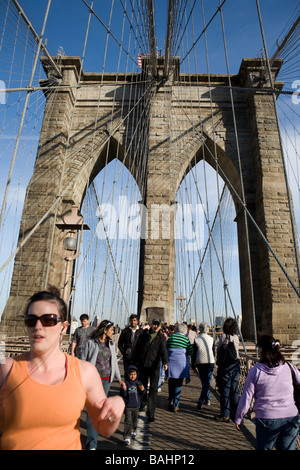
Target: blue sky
67	22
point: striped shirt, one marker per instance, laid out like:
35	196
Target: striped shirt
179	340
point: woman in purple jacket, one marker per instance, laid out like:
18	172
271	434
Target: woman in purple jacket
269	383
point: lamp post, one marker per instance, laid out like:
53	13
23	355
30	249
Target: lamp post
181	305
70	226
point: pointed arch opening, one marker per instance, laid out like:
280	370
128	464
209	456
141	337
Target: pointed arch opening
105	277
207	270
207	266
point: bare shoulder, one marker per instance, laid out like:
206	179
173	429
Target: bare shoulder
89	374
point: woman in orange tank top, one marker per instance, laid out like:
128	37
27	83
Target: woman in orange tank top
43	392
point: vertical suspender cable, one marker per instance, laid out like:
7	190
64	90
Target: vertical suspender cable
280	141
66	151
225	285
23	115
241	178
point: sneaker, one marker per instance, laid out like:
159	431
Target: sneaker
207	402
222	419
199	406
126	442
133	435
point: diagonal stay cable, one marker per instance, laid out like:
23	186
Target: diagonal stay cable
112	35
247	211
203	31
23	116
280	142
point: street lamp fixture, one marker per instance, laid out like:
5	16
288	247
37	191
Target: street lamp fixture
71	226
181	305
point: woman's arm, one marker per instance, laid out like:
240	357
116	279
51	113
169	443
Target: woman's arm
5	369
105	413
115	366
84	352
194	356
189	348
220	342
246	397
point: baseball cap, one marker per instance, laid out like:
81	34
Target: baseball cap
156	320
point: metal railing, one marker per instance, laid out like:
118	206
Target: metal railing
11	346
247	361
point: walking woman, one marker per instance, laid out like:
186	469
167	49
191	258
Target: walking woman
228	372
269	383
43	391
101	352
203	360
179	353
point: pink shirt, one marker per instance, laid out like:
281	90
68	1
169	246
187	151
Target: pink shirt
272	391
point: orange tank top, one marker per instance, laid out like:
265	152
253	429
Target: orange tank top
36	416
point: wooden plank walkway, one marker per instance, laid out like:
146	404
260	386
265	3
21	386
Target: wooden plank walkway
187	430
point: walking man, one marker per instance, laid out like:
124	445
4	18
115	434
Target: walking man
128	339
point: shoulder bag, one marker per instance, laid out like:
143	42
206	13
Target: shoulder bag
296	388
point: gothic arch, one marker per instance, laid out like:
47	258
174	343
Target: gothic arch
213	154
104	150
220	154
276	304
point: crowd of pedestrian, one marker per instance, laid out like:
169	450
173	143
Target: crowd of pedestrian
62	385
177	349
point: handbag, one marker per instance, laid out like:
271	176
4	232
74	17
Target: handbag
296	386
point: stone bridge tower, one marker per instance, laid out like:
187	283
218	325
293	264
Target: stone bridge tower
276	303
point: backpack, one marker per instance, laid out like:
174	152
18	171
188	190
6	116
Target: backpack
227	354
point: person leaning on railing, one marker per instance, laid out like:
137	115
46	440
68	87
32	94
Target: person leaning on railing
269	382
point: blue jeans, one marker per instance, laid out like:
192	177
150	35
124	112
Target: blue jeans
281	433
175	386
161	375
92	434
205	375
229	395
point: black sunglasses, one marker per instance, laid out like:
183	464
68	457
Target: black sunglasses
48	319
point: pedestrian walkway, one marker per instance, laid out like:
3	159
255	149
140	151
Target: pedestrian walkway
188	429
